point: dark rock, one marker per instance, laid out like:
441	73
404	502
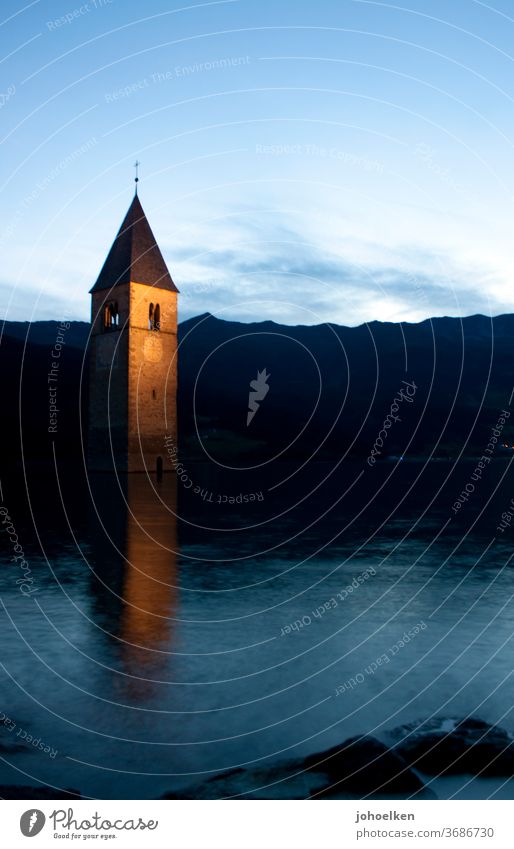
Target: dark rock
9	748
364	766
218	787
358	767
9	743
19	791
454	746
284	781
332	791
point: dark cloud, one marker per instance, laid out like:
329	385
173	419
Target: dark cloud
269	271
286	268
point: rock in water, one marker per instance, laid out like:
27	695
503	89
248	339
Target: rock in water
456	746
359	767
364	766
20	791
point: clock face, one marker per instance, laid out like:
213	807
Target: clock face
152	349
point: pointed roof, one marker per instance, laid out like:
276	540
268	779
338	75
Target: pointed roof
134	256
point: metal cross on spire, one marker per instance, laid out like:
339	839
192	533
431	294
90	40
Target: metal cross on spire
136	179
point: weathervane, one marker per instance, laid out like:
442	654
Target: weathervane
136	166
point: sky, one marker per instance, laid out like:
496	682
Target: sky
302	162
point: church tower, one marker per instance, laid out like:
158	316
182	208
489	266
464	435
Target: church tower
133	354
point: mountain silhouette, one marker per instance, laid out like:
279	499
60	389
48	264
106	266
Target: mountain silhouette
330	388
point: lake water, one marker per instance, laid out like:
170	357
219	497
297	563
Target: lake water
172	634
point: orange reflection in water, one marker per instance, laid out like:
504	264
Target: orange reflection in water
150	595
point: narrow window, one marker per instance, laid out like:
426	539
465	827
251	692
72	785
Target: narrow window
150	317
154	394
157	318
111	317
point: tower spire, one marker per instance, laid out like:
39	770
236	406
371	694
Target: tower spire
136	179
134	256
134	331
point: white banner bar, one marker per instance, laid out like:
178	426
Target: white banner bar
258	824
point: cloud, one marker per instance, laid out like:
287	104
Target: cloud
27	303
275	273
255	265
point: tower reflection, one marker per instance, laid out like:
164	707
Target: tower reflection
149	586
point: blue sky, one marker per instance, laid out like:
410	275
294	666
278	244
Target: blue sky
300	161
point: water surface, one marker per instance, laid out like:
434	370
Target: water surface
174	634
